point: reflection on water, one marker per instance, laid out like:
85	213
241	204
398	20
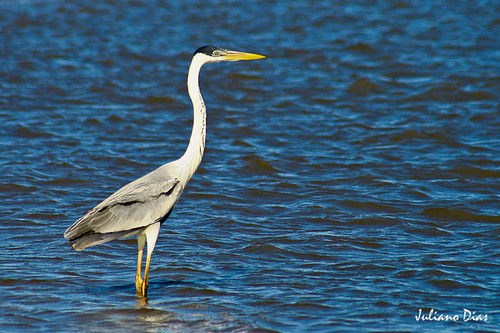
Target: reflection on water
350	180
142	301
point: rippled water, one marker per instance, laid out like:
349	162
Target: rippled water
350	179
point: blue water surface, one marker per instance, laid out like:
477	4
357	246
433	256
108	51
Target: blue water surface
350	183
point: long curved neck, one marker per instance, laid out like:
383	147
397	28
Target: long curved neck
192	157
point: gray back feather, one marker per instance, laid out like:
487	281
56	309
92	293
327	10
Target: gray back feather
138	204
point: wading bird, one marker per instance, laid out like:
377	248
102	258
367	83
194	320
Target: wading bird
140	207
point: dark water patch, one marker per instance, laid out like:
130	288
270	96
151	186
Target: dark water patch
266	250
459	215
165	100
447	284
450	93
361	48
368	206
31	133
364	87
242	143
45	216
17	188
475	172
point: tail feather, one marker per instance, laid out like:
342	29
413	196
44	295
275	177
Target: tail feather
92	238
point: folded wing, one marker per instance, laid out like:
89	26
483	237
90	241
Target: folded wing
130	209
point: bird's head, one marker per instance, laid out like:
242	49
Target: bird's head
215	54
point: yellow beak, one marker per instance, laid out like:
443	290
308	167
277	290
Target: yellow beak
235	56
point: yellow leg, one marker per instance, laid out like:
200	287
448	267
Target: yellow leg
145	283
150	234
138	278
141	240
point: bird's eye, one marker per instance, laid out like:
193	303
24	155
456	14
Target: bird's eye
216	53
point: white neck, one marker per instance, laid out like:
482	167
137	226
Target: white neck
192	157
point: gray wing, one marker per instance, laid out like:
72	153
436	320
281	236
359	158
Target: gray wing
145	201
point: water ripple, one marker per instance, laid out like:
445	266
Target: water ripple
350	179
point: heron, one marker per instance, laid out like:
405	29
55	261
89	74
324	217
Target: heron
140	207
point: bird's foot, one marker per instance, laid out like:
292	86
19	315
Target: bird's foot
138	284
141	285
142	301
